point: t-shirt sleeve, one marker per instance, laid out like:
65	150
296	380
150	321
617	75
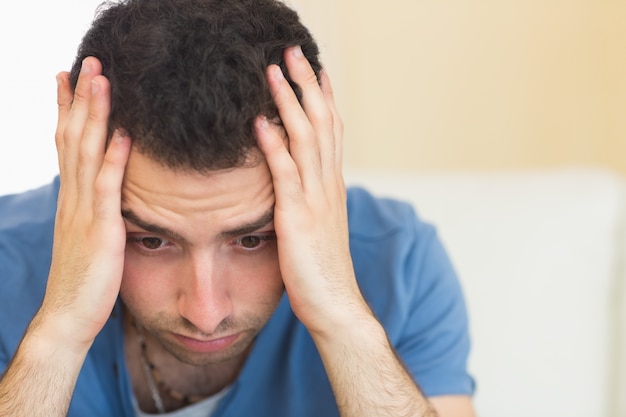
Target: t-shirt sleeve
4	362
13	315
434	341
407	278
26	229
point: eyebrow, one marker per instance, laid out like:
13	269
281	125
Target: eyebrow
131	217
247	228
265	219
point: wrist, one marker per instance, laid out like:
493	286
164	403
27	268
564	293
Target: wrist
46	365
328	312
57	333
348	326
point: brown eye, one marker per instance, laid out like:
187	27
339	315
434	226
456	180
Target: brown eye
250	242
151	242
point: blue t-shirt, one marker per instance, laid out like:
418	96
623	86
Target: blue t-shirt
402	270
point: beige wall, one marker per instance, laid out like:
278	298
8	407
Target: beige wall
476	84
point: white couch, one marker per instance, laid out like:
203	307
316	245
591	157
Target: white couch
540	256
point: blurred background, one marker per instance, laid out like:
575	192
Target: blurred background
448	85
38	39
479	85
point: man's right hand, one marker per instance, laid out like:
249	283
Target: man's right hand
89	234
87	254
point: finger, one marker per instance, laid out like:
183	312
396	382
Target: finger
313	100
64	103
329	95
285	175
93	142
108	183
79	112
302	137
314	103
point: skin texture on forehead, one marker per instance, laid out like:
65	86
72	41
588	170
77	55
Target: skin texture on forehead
197	192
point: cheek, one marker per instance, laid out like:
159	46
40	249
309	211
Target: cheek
145	282
262	292
270	285
256	279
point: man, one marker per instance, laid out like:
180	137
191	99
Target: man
207	259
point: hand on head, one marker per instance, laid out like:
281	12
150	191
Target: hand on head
89	238
310	216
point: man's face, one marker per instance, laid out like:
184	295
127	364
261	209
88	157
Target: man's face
201	268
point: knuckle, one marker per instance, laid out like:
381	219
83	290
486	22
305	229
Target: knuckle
58	140
284	97
327	117
295	192
93	115
322	117
81	95
102	188
310	77
70	131
64	105
88	154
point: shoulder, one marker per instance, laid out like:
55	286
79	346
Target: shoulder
372	217
398	258
407	278
27	224
26	232
392	248
31	207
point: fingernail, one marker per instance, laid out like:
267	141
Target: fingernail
278	73
118	136
85	68
297	51
263	123
94	87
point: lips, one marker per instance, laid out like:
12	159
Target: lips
207	346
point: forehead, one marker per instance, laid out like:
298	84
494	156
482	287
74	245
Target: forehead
154	192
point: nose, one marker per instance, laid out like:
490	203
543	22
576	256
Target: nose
204	298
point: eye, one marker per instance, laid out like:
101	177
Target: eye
149	243
254	242
250	242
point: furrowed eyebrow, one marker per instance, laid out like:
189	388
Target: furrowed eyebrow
251	227
247	228
131	217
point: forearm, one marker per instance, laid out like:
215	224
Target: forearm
367	377
41	378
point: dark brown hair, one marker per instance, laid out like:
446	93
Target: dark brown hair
188	76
